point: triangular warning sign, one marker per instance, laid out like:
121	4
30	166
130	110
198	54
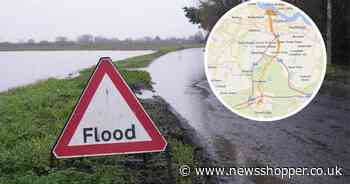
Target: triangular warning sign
108	120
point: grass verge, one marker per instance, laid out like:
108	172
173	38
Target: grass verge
145	60
337	81
31	118
338	73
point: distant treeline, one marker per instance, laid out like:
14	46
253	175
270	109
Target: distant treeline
208	12
89	42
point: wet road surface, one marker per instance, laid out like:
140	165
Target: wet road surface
318	136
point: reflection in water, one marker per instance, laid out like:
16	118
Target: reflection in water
174	75
24	67
317	136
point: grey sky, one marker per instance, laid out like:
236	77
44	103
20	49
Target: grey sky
46	19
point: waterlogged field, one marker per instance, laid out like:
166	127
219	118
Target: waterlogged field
32	117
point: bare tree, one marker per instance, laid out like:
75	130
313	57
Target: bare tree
85	39
61	39
31	41
329	31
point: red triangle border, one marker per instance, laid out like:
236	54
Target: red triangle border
61	148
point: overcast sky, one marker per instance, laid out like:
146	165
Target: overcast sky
46	19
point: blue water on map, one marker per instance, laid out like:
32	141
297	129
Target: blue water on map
287	18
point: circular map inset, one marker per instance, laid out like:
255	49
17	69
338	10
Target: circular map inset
265	60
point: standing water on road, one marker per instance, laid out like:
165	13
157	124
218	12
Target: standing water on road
318	136
24	67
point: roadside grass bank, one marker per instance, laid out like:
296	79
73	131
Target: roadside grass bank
145	60
338	73
31	118
337	81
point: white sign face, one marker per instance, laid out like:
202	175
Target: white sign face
108	120
106	111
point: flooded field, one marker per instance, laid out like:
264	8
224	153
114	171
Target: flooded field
25	67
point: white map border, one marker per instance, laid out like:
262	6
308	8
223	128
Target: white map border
315	92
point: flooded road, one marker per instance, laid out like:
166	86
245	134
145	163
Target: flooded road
318	136
24	67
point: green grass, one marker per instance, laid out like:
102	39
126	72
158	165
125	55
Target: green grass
96	46
337	81
145	60
338	73
32	117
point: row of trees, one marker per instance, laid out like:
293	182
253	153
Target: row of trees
90	39
331	16
90	42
